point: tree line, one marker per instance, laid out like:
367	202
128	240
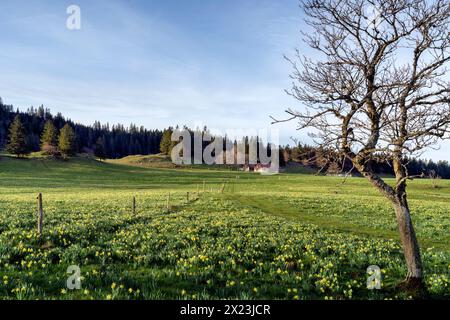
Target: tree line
53	143
38	130
115	141
223	145
329	162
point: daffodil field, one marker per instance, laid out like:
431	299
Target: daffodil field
290	236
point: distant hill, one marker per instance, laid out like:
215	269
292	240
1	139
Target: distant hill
151	161
164	162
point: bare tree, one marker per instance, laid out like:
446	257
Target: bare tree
434	177
377	88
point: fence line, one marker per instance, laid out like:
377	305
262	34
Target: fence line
170	202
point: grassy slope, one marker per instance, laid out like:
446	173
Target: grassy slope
160	161
89	203
353	206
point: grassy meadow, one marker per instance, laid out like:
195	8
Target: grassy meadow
289	236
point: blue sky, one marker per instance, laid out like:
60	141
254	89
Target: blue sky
154	63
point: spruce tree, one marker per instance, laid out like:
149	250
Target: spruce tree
99	149
17	139
49	139
166	142
66	141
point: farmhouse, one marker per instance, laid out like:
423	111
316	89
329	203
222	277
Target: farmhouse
255	167
259	167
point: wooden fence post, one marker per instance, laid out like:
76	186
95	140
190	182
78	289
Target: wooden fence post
40	219
134	205
204	185
225	182
187	196
168	202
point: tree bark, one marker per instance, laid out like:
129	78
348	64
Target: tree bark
408	237
410	245
397	196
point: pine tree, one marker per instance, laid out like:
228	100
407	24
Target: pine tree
49	138
166	142
99	149
17	139
66	141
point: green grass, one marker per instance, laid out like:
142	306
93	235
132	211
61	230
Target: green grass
290	236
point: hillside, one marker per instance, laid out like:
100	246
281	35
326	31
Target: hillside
148	161
164	162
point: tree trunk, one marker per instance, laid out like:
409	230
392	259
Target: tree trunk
397	197
411	250
410	245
